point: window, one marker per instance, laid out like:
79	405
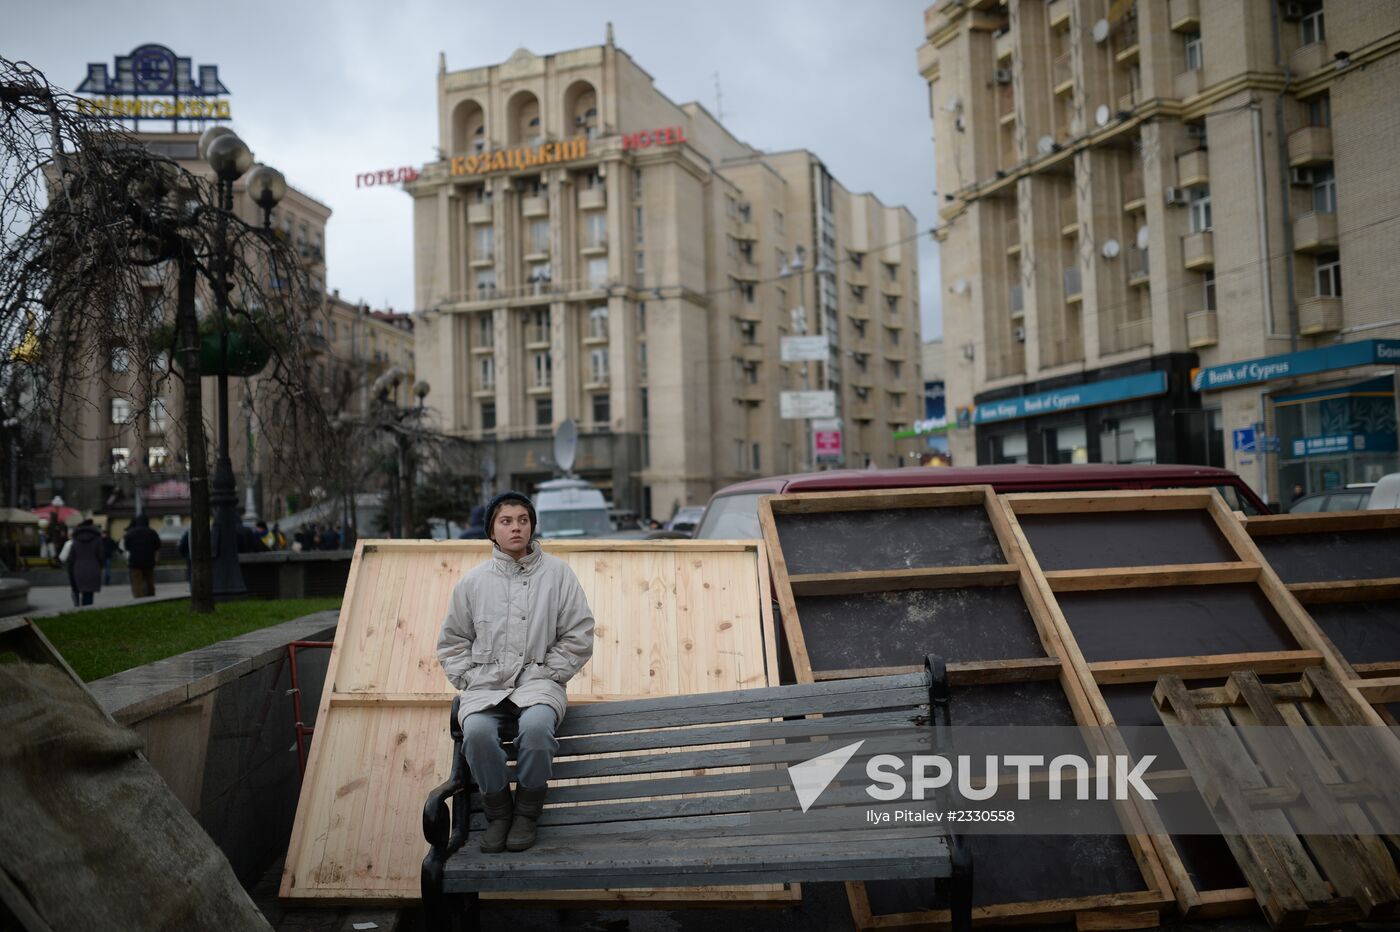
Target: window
1312	28
486	283
334	332
893	336
1200	210
157	458
485	245
1192	43
754	463
598	366
1320	110
120	458
597	273
1329	275
537	326
642	360
857	260
1324	190
486	373
859	325
895	367
544	412
121	411
745	213
741	455
121	359
891	272
746	289
544	370
641	269
748	332
862	362
539	236
892	303
485	331
539	274
644	409
598	323
858	292
488	415
637	183
159	414
778	223
641	317
1208	290
637	226
731	206
602	409
596	229
732	247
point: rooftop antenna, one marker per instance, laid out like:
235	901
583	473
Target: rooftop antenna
566	446
719	100
610	34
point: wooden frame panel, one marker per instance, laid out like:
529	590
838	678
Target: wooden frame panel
1136	908
1248	566
673	617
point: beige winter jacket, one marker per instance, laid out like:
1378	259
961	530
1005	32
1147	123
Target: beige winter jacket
516	630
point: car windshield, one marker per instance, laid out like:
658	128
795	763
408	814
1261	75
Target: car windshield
584	522
733	517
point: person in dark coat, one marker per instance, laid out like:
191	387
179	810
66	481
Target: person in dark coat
85	557
330	539
141	545
476	525
109	550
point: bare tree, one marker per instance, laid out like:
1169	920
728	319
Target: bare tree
90	219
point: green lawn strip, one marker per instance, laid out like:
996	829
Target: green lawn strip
100	642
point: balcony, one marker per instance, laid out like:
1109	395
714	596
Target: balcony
1005	45
592	198
1069	215
1188	84
1074	286
1184	15
1062	72
1309	58
480	213
1134	195
1319	314
751	352
595	246
749	393
1126	40
1006	104
1128	335
1311	145
534	207
1016	299
1012	233
596	380
1128	101
1058	13
1198	250
892	287
1202	329
484	261
1192	168
1139	272
1315	232
747	230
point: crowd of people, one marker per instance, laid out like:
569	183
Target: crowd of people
87	556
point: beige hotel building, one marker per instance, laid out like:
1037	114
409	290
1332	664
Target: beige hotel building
588	249
1170	232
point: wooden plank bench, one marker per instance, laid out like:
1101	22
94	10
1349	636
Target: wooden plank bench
671	791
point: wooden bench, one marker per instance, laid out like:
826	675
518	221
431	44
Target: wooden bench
639	831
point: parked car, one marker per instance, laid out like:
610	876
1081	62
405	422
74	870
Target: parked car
1350	498
1386	494
686	518
732	512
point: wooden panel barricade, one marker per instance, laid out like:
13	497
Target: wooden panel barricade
1144	585
867	582
672	617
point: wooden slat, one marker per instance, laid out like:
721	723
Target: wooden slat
654	739
1107	672
1345	590
1322	522
950	577
1050	503
1143	577
863	500
1380	690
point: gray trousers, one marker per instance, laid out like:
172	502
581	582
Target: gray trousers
535	745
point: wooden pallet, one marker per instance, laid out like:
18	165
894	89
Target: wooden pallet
868	582
1299	879
1345	570
1142	585
673	617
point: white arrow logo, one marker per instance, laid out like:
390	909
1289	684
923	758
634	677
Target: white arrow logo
810	778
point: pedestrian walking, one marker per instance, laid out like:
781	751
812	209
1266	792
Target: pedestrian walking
109	550
142	545
518	628
83	555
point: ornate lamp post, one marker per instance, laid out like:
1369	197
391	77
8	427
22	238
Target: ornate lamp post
393	422
230	158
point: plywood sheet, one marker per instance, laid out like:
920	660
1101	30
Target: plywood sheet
672	617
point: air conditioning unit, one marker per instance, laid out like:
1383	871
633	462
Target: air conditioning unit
1020	334
1300	176
1293	11
1177	197
1002	75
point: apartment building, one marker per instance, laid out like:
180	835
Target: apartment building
130	426
588	249
1147	213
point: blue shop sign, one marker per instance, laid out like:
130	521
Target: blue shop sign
1078	396
1288	365
1344	443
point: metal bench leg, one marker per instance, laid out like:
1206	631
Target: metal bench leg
961	891
470	911
435	917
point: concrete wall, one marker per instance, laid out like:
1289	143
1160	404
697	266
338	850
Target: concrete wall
218	726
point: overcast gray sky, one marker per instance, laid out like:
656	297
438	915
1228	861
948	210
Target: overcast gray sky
326	90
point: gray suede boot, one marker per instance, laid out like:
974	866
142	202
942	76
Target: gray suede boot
498	812
528	806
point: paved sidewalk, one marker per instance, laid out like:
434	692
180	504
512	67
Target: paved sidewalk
54	600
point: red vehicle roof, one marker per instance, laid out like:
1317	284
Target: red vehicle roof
1010	478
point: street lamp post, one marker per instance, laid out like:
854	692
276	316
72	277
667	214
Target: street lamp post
230	158
394	418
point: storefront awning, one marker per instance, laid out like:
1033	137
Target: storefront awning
1076	396
1289	365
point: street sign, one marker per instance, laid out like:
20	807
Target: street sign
805	349
796	405
826	441
1244	440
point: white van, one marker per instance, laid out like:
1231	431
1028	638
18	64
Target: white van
1386	494
571	508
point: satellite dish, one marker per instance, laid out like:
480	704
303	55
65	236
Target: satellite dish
954	104
1046	145
566	445
1142	235
961	287
1101	115
488	467
1110	249
1101	29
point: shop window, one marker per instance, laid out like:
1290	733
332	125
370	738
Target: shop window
1128	440
1067	444
1008	448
